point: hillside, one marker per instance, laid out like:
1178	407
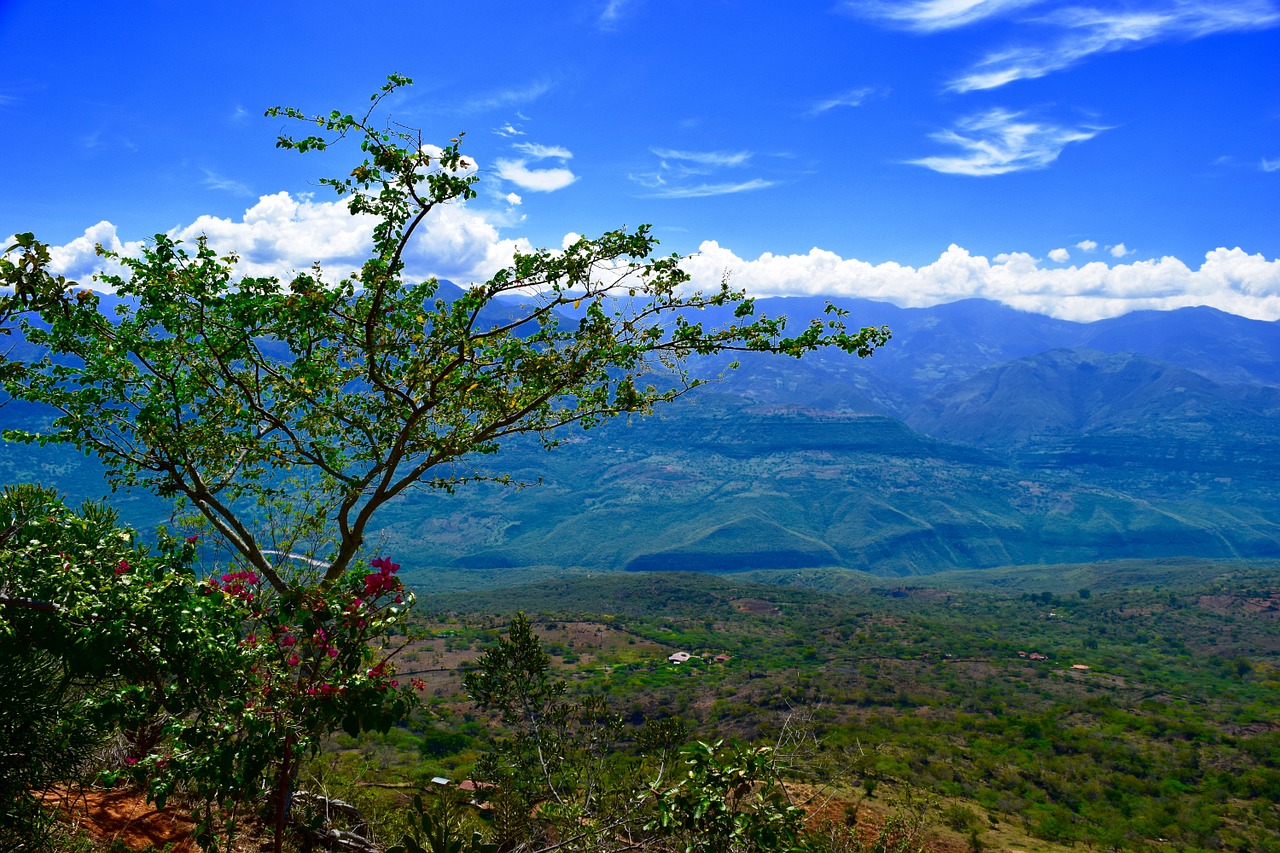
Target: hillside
979	437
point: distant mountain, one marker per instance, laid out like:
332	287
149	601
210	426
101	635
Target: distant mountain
1077	393
979	437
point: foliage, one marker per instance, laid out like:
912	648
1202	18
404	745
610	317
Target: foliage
319	401
44	735
1171	733
286	414
438	828
729	801
218	683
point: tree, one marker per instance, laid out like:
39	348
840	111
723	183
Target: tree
287	413
215	686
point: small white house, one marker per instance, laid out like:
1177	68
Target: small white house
679	657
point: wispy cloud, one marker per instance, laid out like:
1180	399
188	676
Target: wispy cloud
705	190
539	152
711	159
998	141
1270	165
933	15
851	98
686	174
1082	32
214	181
508	130
612	13
508	97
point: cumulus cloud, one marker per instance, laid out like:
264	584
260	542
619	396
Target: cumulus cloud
518	171
1119	250
998	141
513	198
1060	256
1229	279
282	233
536	180
1087	246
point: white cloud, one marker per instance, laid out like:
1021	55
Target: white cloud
214	181
683	174
282	233
705	190
78	260
1087	246
1060	256
536	180
934	15
507	97
1083	32
1119	250
712	159
851	98
1229	279
508	130
998	141
539	152
612	12
1270	165
513	199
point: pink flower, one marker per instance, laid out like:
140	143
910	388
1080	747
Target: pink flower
191	540
123	567
131	761
331	652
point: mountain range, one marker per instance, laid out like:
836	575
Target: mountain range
980	436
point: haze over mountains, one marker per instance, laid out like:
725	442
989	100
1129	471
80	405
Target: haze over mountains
979	437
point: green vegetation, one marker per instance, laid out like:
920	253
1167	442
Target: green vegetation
1171	732
282	417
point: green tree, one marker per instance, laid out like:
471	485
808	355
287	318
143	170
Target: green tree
288	412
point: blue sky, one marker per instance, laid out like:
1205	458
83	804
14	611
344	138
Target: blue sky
1080	159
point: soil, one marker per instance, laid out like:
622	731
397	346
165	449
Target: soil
126	817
